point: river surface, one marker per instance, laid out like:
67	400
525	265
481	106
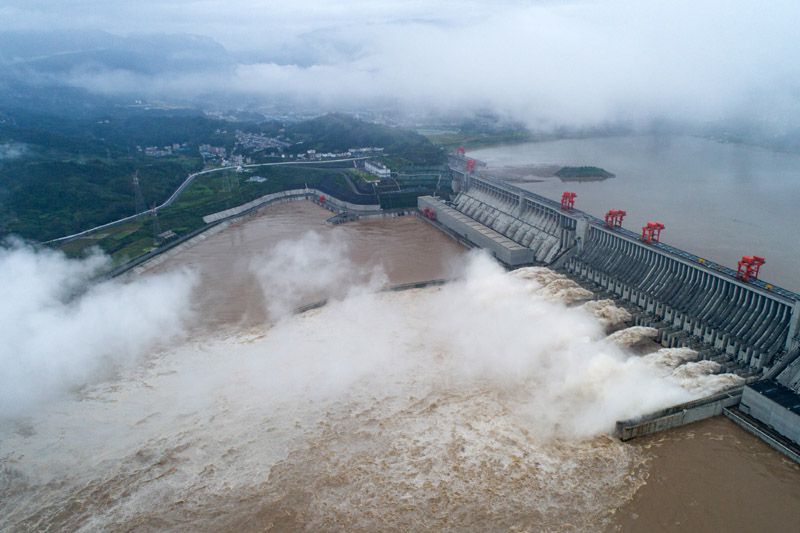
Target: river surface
412	411
719	201
402	248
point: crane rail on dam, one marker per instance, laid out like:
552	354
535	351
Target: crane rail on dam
577	214
745	324
751	325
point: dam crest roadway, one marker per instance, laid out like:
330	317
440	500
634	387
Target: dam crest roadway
748	326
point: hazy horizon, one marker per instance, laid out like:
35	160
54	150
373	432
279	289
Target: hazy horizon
548	64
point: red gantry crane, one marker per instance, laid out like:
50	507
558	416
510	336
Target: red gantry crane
652	232
568	200
429	213
749	266
614	218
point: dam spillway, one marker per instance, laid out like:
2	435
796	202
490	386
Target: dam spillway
751	325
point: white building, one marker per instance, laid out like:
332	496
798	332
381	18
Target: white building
378	169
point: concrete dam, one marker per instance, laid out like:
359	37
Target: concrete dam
747	325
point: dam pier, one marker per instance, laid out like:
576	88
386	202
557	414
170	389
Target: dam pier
748	326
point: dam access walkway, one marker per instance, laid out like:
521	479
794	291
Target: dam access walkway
748	325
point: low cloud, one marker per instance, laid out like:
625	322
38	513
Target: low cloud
311	268
60	330
548	64
489	383
9	151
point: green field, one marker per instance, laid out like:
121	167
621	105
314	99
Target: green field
207	194
475	139
45	198
72	174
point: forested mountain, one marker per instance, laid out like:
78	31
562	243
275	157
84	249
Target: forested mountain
60	175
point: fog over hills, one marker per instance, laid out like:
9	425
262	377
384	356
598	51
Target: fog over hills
69	52
550	64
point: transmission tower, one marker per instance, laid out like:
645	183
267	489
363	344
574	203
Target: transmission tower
156	224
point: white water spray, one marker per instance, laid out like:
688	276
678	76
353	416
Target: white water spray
480	402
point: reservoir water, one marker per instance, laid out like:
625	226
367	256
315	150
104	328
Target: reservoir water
404	249
471	407
719	201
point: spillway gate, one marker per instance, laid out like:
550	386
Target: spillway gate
692	301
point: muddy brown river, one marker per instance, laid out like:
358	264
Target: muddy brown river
469	407
709	476
405	249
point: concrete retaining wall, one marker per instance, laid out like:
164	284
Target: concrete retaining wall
159	255
767	435
504	249
216	222
693	302
267	199
779	417
546	230
677	416
750	325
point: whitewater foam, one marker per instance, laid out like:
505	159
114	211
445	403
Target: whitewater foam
609	313
480	404
634	336
552	285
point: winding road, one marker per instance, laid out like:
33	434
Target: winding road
174	196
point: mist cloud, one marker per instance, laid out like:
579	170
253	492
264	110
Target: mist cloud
490	333
312	267
549	64
59	331
376	399
9	151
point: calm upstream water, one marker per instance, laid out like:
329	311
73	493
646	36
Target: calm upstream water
719	201
348	417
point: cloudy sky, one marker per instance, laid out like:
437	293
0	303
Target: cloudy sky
548	63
